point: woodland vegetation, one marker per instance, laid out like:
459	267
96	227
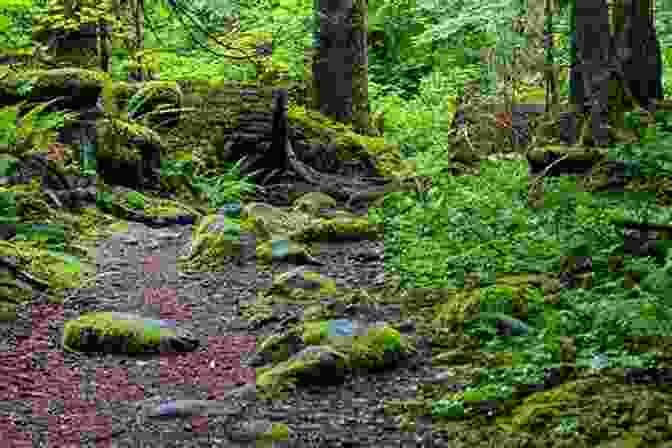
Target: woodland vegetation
445	81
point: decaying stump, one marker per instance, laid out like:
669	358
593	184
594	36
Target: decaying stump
226	122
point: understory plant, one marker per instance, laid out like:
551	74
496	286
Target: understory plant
135	200
226	187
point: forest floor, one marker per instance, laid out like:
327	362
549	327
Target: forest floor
104	406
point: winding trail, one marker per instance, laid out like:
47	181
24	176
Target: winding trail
59	398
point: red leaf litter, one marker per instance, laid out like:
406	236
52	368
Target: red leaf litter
217	367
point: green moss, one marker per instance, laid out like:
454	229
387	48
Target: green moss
314	332
544	407
351	145
279	431
135	200
44	79
312	202
562	393
385	338
7	312
368	351
137	332
327	285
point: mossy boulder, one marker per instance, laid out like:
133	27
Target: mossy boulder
215	237
311	203
286	250
303	224
313	365
112	332
381	347
367	346
351	146
337	228
56	270
268	221
327	355
288	282
278	347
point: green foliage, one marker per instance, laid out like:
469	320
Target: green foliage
487	392
52	235
52	120
24	86
16	21
177	168
226	187
7	167
653	151
220	190
8	207
8	125
463	224
448	409
135	200
104	200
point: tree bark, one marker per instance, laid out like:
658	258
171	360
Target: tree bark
613	73
360	79
333	70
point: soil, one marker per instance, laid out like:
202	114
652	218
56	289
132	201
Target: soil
48	387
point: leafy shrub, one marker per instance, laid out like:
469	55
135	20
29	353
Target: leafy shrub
448	408
488	392
135	200
225	188
104	200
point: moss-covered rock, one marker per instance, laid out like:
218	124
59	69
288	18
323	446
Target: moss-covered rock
215	238
380	347
112	332
337	228
288	282
311	203
277	347
268	221
351	146
313	364
283	249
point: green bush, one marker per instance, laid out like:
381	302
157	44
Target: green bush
135	200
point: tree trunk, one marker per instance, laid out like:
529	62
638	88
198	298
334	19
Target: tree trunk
592	71
333	69
360	80
611	74
639	50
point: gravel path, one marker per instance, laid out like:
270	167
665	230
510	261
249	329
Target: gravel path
49	396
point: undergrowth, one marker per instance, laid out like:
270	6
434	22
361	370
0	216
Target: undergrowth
472	224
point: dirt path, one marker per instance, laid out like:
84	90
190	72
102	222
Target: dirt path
138	274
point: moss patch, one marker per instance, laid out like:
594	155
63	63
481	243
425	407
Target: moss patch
122	333
351	146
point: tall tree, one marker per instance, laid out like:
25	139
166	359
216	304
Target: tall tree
340	68
360	69
616	64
